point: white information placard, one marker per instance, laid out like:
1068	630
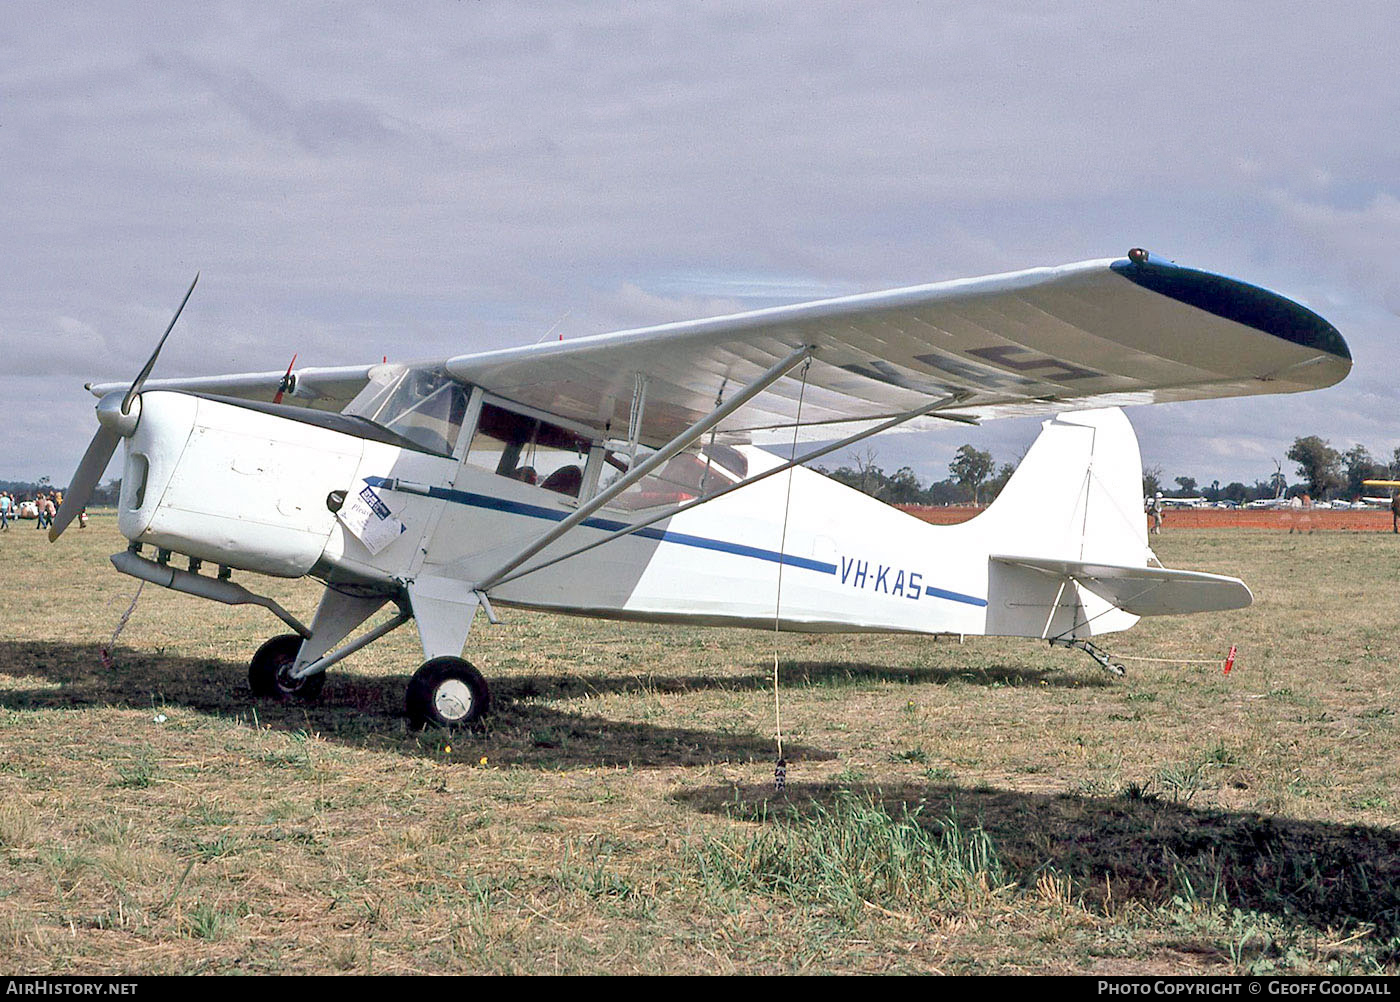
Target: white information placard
369	520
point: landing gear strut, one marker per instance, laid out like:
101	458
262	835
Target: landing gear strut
268	672
1100	655
448	692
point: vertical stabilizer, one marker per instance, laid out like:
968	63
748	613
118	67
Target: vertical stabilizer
1076	497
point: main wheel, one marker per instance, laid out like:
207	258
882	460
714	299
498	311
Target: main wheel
448	692
267	672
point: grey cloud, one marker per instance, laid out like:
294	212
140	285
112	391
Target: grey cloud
1359	243
323	126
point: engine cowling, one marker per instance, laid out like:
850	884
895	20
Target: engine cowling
232	485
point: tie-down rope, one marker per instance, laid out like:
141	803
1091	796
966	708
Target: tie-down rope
780	768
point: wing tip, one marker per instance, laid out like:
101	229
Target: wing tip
1232	299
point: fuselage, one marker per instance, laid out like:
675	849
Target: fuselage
258	490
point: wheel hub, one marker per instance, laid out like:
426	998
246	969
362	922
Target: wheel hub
285	682
453	699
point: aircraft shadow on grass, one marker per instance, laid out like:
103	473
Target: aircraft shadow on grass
365	711
796	674
356	708
1136	848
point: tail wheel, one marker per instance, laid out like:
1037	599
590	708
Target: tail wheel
268	671
448	692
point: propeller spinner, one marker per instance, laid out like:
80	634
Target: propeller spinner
116	420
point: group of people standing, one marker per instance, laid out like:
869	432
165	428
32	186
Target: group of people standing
46	505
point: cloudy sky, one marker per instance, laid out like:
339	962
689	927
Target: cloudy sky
419	180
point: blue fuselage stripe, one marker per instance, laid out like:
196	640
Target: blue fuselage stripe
955	596
661	535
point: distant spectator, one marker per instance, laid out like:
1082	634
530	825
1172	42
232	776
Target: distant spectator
1154	513
1395	511
6	503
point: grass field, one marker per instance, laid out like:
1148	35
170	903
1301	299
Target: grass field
977	807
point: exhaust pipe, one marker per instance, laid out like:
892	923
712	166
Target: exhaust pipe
197	584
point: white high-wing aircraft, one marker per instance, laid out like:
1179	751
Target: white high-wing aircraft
619	475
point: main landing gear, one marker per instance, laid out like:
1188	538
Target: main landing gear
446	691
268	671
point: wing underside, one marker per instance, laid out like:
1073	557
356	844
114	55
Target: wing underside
1101	333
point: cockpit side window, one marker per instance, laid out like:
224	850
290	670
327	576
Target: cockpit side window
696	473
530	450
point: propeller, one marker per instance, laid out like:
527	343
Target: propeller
140	380
288	383
115	422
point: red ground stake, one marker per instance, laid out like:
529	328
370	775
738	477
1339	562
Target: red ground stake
1230	660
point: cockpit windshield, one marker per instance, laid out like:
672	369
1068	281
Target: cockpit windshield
422	405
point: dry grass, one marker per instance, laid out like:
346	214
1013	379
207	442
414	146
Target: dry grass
993	805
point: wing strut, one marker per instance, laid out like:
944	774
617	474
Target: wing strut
949	401
667	452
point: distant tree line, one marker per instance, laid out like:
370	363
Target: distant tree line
1329	473
973	478
1324	474
1276	486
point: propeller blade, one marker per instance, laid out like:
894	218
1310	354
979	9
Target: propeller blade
85	477
140	380
286	383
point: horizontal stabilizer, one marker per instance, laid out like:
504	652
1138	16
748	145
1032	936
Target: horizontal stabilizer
1145	591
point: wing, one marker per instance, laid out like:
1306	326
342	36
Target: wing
1094	334
1098	333
327	389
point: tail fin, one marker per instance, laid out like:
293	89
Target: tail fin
1067	539
1077	495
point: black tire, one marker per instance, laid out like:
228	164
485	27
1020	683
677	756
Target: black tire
267	672
448	692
